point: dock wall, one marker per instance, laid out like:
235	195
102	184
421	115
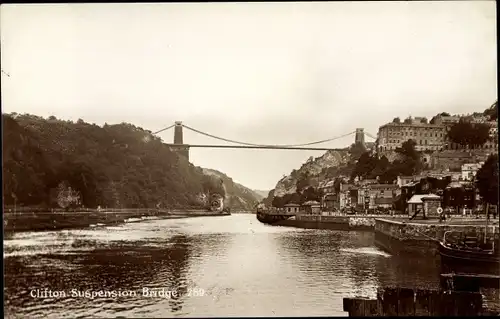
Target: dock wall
417	238
357	223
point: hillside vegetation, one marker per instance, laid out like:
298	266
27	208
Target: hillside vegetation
238	197
111	166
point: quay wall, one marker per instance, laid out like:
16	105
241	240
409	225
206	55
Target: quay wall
418	238
355	223
41	221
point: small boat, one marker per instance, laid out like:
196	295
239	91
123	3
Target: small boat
460	253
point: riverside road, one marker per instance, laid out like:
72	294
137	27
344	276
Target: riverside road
207	266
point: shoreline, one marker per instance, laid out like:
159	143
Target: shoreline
49	221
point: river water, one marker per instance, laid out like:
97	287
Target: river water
206	266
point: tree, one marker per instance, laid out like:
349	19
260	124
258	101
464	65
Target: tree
487	180
444	114
424	120
459	132
396	120
302	182
390	175
365	165
408	149
408	120
469	134
381	167
411	164
481	135
311	193
356	150
492	112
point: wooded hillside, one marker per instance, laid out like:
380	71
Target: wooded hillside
111	166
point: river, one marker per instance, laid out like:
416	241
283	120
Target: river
207	266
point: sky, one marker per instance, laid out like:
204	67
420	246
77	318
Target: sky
265	73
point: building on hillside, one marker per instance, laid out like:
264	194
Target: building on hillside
292	208
430	137
445	120
460	195
352	195
345	197
327	186
330	202
365	182
377	195
470	170
311	208
453	160
404	180
492	144
428	203
423	186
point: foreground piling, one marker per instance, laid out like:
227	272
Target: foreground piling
417	302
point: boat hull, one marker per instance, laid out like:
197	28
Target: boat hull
270	218
466	261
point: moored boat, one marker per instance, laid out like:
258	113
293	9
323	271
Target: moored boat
466	254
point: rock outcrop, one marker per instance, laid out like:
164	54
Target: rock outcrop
316	169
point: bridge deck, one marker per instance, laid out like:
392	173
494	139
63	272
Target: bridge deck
257	147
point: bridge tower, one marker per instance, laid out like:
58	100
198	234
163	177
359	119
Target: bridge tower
179	146
360	136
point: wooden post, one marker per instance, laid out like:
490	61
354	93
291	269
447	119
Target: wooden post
487	217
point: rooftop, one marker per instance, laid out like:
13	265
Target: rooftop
311	203
417	199
382	200
375	186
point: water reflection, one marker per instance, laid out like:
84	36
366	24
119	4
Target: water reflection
124	266
243	267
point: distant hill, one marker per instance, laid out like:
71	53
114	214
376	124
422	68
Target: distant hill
261	194
238	197
110	166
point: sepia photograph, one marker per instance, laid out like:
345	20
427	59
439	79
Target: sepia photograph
250	159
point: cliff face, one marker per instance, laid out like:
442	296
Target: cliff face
237	196
328	165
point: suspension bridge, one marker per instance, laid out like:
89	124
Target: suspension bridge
183	149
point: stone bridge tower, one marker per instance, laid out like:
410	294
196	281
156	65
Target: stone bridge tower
179	146
360	136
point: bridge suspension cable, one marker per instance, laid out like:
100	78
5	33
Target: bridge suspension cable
264	145
370	136
164	129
